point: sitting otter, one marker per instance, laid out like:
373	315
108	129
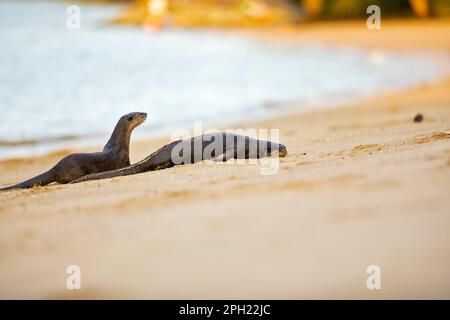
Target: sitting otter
115	155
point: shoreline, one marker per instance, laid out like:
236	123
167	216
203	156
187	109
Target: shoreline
352	34
362	185
82	145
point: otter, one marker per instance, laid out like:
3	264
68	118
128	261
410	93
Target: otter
217	146
115	155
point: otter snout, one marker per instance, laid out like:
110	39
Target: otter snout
143	116
134	118
282	151
140	117
277	149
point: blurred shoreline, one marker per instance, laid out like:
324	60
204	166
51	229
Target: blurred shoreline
411	35
260	14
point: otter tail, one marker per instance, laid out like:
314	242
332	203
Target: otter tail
40	180
160	159
138	167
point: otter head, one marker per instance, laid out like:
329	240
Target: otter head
282	151
276	148
133	119
120	138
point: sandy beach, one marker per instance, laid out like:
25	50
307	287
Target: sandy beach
362	185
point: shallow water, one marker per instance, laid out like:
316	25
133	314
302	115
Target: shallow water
61	88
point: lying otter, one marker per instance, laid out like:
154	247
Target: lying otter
215	146
115	155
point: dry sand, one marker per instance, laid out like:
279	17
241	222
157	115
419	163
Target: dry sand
362	185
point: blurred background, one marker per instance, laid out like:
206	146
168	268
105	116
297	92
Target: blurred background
246	13
182	61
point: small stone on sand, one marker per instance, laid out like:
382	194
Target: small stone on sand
418	117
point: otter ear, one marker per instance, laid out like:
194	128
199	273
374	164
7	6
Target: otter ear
130	118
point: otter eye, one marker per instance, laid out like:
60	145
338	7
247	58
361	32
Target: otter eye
130	118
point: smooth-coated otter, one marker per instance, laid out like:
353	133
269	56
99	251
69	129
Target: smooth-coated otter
115	155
